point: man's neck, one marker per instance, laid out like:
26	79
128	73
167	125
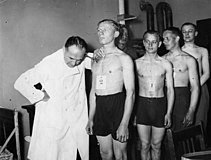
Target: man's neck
189	44
151	56
109	48
175	52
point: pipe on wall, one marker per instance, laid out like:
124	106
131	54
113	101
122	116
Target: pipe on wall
121	10
164	16
149	13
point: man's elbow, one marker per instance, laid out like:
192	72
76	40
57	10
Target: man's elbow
207	76
195	89
130	93
17	85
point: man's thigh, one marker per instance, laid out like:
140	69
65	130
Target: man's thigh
144	133
105	143
157	135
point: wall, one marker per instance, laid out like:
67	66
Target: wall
32	29
183	11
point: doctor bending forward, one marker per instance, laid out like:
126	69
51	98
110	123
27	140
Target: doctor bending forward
61	103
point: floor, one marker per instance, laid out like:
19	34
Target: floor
95	154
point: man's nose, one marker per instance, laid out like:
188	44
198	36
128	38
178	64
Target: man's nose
186	33
100	32
74	62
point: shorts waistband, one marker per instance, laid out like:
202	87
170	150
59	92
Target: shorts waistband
110	95
151	97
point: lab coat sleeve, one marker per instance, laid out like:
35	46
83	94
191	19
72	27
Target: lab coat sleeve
88	60
25	83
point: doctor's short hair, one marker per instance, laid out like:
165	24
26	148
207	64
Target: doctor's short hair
76	40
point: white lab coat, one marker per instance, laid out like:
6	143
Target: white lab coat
59	123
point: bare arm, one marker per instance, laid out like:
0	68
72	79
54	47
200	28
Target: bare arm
205	67
170	94
129	81
195	89
92	104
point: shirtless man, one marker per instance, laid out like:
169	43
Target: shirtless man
123	43
189	32
186	80
110	107
154	109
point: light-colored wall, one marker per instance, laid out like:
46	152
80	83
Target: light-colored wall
183	11
32	29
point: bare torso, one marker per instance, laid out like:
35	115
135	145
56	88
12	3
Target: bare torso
197	53
151	77
108	74
180	68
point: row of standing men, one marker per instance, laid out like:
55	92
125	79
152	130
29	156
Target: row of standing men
167	96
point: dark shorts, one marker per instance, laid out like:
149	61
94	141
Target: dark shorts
181	106
203	106
151	111
108	114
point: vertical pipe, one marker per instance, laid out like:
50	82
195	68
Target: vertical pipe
164	16
149	14
122	10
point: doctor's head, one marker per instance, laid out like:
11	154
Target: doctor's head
74	52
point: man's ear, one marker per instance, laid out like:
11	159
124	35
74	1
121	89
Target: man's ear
177	38
116	34
159	43
196	33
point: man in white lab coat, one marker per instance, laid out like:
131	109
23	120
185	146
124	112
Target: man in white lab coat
61	103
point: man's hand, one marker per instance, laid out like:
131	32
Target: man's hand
98	54
167	121
122	134
89	126
188	120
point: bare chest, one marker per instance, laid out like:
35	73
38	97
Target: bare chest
107	66
151	70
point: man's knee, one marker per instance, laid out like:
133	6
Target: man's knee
156	146
106	154
145	146
120	154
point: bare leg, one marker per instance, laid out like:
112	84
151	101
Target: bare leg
144	135
120	150
106	147
157	136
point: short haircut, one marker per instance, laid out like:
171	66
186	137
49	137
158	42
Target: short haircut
176	31
153	33
112	22
76	40
189	24
122	28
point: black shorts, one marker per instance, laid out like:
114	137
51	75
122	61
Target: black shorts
181	106
108	114
151	111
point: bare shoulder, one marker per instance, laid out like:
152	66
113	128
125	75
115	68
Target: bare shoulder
202	50
166	63
189	59
123	57
165	56
140	61
164	60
